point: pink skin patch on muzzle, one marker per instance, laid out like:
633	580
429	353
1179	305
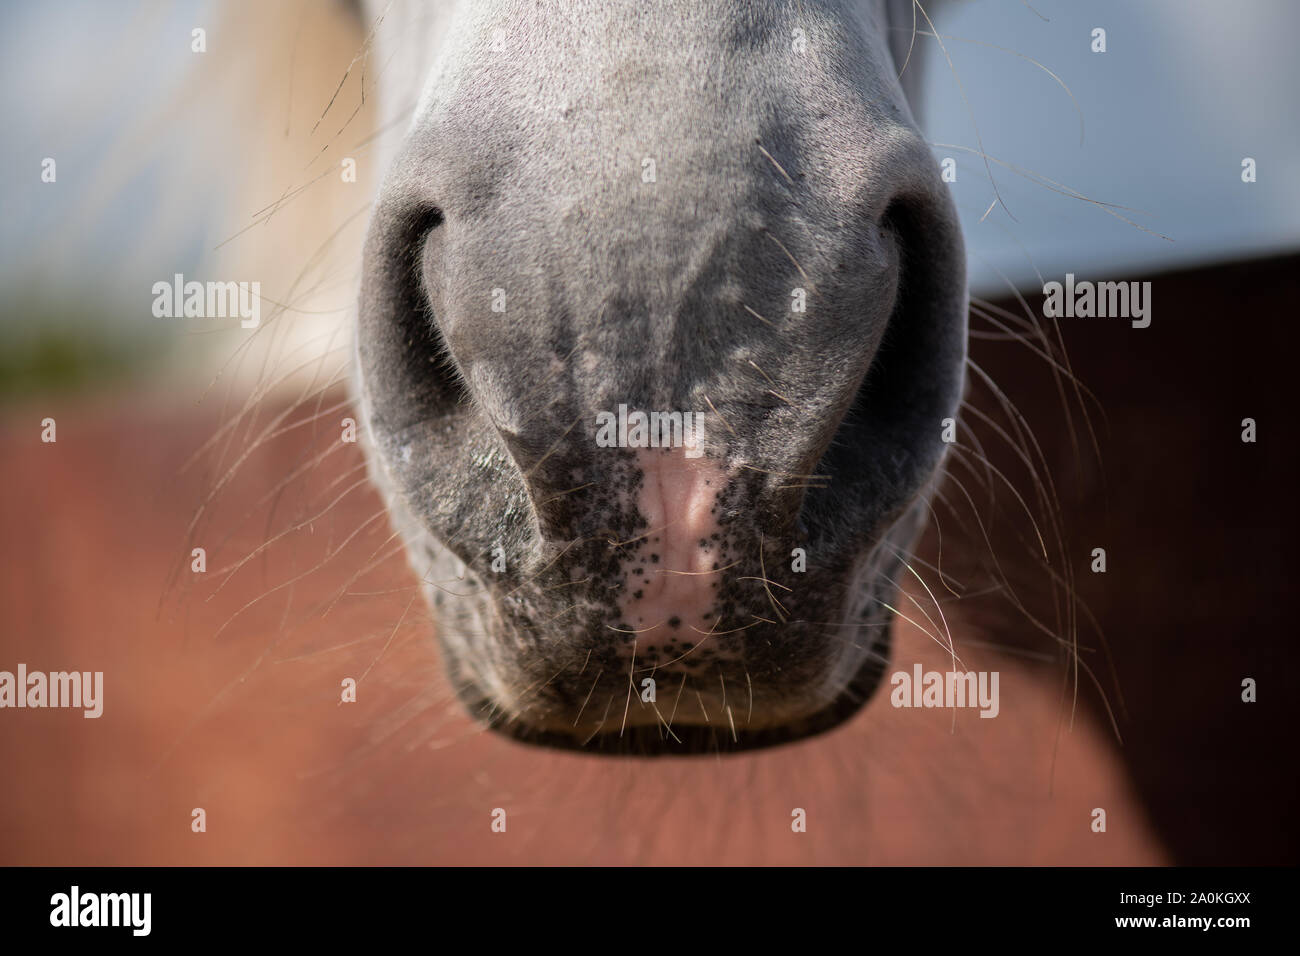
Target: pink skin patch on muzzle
672	580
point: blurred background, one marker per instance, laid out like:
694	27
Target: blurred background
227	164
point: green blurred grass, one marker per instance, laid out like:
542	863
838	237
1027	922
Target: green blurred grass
49	347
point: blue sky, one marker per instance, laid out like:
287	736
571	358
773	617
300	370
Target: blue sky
1185	90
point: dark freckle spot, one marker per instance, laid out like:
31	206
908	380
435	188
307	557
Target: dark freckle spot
638	571
715	537
704	543
637	595
654	559
715	565
674	621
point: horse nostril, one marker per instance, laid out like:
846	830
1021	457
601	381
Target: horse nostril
402	359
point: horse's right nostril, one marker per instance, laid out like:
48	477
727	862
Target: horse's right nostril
400	349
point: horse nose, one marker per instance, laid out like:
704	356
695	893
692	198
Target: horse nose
692	231
806	289
817	330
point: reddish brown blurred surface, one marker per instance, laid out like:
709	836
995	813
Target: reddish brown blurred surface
229	701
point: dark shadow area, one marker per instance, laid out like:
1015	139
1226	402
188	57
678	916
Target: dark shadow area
1198	528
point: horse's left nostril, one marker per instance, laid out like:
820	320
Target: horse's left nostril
891	438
